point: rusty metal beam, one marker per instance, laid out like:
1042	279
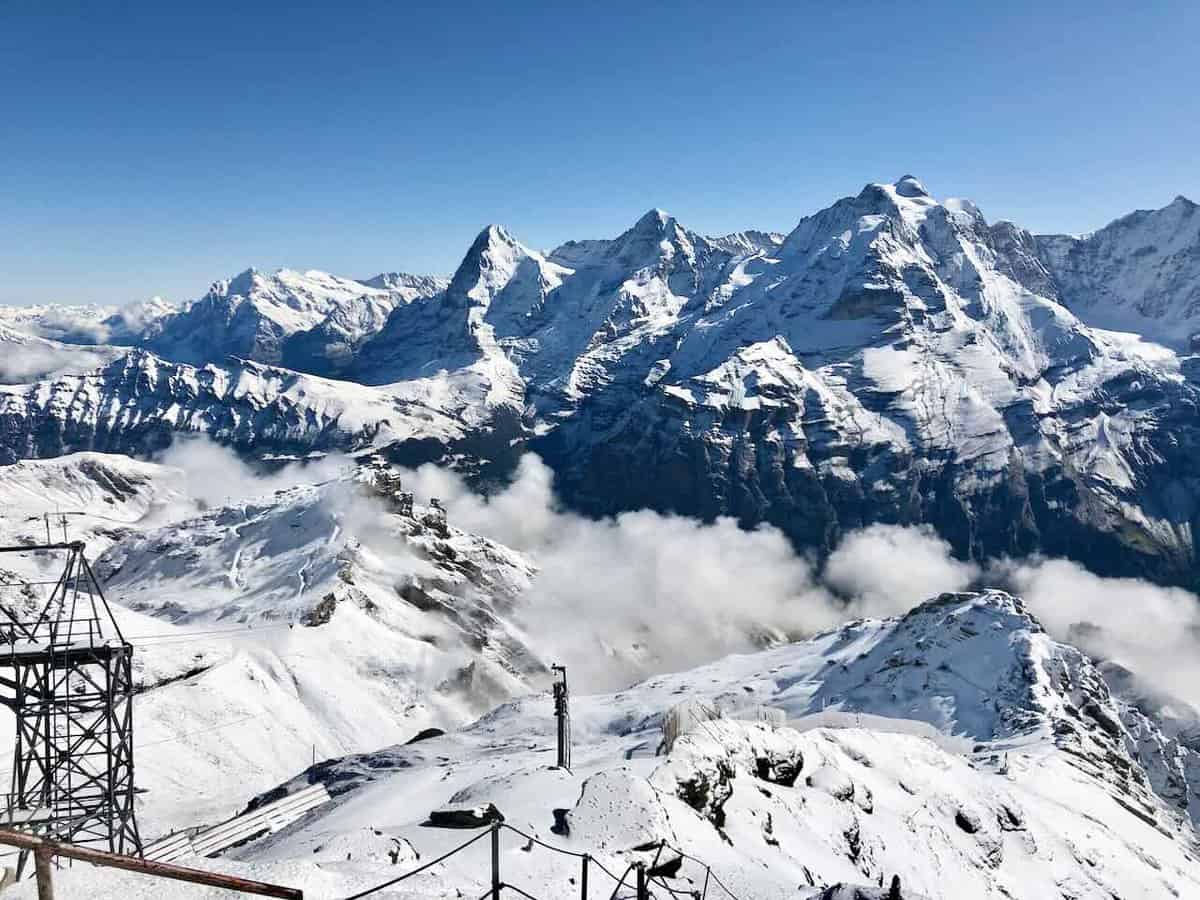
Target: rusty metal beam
43	848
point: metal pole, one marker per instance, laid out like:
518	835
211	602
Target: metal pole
495	861
583	892
43	866
642	893
562	712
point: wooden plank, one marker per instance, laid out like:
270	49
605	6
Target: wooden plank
272	818
169	848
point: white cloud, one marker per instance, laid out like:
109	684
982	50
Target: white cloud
216	476
26	362
886	570
1153	631
620	598
643	592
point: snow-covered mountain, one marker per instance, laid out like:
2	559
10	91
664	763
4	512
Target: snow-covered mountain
90	323
80	324
894	358
1140	274
137	403
309	321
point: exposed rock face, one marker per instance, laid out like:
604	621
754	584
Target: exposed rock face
465	816
703	763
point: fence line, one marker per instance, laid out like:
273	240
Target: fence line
645	875
418	871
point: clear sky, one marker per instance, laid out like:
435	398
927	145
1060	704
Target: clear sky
151	148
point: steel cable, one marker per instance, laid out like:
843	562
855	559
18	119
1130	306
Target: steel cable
420	869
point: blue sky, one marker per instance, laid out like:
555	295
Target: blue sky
150	148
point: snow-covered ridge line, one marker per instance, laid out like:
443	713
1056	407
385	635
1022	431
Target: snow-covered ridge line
894	358
139	402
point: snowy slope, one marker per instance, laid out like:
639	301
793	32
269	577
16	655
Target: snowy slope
104	497
324	622
1047	802
1141	273
1050	803
317	619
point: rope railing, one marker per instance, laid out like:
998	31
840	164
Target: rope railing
645	875
420	869
708	872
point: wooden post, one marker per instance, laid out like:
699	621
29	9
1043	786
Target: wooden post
642	893
583	876
495	861
44	867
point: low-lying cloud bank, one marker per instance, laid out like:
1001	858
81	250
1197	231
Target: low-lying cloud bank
646	592
216	476
35	362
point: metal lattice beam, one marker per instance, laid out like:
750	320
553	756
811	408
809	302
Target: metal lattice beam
67	675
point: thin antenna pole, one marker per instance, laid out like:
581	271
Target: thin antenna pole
562	712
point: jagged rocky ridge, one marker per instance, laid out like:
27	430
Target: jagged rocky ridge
894	358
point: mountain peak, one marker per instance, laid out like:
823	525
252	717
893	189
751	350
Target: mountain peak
492	239
654	222
499	233
241	283
910	186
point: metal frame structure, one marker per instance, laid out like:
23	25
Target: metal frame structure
67	675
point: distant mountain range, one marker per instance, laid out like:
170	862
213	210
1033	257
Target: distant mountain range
893	358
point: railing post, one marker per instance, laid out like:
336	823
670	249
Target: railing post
642	893
583	876
495	861
44	868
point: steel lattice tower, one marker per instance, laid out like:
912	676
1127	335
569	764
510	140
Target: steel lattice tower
66	673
